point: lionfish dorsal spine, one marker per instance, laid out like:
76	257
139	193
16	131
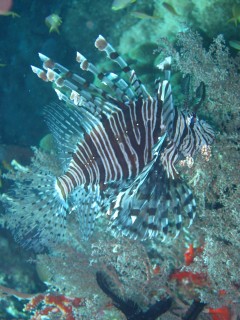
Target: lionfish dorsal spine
102	45
122	90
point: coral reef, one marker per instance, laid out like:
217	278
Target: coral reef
216	183
16	271
169	20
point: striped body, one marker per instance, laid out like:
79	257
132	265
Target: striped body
118	148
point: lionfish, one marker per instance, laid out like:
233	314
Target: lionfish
118	147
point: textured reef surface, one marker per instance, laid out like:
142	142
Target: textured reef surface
192	276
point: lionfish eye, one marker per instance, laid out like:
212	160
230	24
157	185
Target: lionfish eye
191	119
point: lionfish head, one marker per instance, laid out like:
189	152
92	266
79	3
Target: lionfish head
198	135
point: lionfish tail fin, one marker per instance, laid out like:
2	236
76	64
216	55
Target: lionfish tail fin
157	208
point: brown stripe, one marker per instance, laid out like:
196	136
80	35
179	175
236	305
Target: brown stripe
114	55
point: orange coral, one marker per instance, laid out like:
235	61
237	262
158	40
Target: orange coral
53	304
222	313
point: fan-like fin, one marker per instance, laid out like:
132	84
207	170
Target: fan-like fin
87	202
158	203
68	126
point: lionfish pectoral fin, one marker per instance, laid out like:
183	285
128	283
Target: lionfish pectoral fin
157	204
87	202
37	211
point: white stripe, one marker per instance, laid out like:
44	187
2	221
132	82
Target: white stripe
133	116
127	143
